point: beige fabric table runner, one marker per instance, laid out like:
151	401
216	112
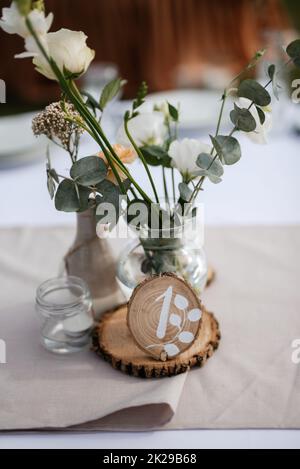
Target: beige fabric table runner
251	381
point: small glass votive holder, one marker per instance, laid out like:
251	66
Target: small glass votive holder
64	306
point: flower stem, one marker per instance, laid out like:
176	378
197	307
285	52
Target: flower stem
165	185
141	156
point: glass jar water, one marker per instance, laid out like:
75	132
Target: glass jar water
177	250
65	310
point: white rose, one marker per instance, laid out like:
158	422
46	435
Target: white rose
12	22
184	154
70	52
146	129
259	135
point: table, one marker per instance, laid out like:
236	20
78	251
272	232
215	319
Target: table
262	189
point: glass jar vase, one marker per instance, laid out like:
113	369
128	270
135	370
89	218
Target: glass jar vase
65	310
177	250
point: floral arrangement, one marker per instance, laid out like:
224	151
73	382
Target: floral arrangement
152	137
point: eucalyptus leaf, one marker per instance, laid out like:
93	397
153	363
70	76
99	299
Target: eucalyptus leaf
211	165
50	185
110	194
214	179
252	90
185	192
173	111
54	175
227	148
243	119
156	156
211	177
110	91
293	51
89	171
273	76
261	115
71	198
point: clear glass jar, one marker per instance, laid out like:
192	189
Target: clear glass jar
65	310
178	250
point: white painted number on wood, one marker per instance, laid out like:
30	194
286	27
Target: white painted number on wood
164	314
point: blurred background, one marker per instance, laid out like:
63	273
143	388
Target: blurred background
170	43
187	51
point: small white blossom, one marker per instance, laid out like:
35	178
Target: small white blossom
146	129
184	154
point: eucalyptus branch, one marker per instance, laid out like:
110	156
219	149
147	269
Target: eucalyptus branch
269	82
250	65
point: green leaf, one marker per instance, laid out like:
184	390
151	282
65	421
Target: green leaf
227	148
173	111
185	192
293	51
261	115
89	171
209	164
110	193
156	156
91	101
71	198
50	185
214	179
110	91
54	175
252	90
243	119
273	76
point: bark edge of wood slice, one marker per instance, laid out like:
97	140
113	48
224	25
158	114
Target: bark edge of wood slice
113	341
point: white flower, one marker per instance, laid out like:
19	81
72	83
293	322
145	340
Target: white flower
146	129
70	52
184	154
12	22
259	135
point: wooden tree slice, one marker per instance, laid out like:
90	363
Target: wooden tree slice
113	341
164	316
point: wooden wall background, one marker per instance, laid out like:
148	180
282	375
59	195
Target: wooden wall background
148	39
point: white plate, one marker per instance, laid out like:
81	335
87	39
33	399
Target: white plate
198	108
18	145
